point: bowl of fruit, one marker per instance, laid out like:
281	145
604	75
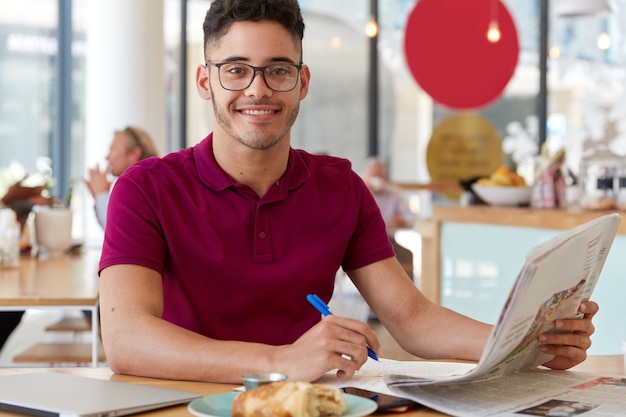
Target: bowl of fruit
503	188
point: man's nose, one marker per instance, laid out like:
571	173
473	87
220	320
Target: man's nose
258	86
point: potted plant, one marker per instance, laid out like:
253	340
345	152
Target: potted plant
53	230
53	222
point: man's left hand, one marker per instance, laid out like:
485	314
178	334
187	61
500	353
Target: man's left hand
570	344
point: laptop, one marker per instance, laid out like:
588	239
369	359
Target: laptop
49	394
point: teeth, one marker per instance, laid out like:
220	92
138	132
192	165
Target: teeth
257	112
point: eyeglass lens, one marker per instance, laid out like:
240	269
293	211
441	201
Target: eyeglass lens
278	77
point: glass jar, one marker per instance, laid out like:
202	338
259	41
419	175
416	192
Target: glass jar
9	239
598	182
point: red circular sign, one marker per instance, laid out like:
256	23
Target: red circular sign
449	55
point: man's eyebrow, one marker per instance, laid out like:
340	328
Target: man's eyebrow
282	59
244	59
234	59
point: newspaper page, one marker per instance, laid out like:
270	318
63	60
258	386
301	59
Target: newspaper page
530	393
370	376
555	278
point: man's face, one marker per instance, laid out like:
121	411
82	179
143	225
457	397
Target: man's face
375	176
121	154
376	170
256	117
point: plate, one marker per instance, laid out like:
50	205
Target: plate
219	405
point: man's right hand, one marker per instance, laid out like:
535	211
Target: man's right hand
334	343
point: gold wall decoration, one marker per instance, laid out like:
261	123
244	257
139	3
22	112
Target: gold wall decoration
462	147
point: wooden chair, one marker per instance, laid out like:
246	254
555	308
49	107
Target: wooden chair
405	257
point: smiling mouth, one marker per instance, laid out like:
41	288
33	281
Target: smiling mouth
258	112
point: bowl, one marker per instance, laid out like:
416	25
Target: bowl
495	195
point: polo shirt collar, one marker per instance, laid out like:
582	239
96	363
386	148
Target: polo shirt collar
214	176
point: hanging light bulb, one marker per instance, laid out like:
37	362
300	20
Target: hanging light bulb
371	28
603	41
554	52
493	34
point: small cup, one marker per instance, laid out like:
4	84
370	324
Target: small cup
251	381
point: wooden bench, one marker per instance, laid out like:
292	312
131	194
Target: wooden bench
70	324
66	352
56	353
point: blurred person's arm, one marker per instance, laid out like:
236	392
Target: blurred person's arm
99	185
100	207
402	217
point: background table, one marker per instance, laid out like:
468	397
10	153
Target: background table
65	282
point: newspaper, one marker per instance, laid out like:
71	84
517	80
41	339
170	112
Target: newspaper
555	278
370	376
533	392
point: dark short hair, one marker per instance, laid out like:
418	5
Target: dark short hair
223	13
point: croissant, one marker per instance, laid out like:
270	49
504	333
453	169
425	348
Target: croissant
290	399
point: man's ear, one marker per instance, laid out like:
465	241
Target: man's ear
305	78
202	82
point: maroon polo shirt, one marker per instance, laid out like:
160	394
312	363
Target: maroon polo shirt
236	266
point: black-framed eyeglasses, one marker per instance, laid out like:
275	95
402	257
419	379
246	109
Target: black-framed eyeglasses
235	76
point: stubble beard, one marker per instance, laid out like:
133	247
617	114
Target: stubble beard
259	138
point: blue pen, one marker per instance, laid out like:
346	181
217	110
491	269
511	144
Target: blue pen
321	306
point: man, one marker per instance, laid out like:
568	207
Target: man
205	272
393	205
127	147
